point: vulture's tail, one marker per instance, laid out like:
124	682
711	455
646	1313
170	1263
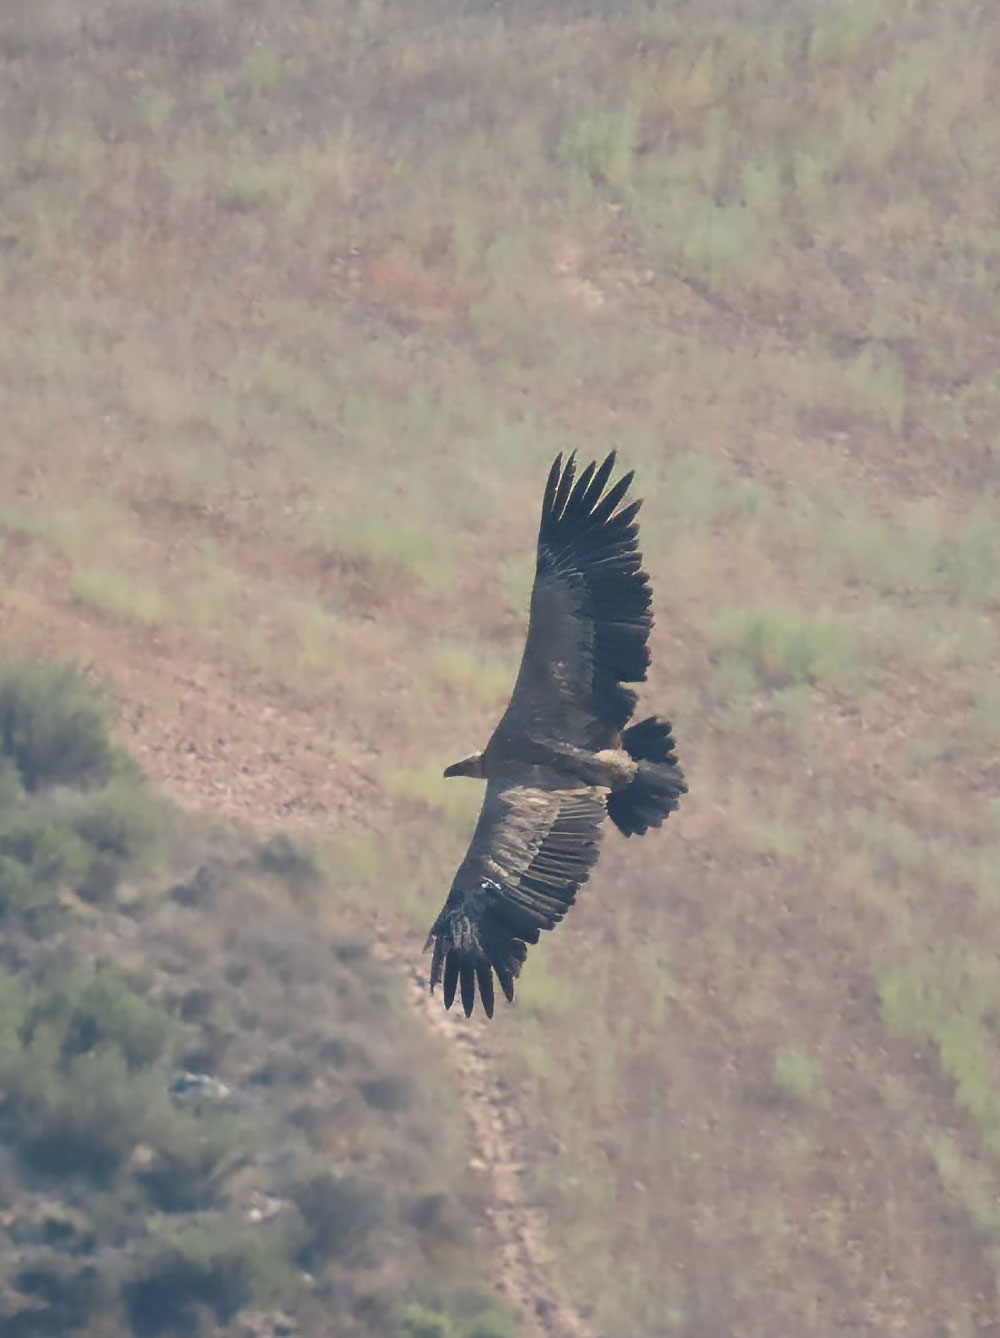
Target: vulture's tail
658	783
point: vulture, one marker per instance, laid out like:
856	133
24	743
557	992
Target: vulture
564	755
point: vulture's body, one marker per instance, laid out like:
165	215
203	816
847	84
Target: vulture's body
562	758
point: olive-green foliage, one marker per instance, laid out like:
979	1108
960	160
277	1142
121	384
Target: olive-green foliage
17	887
796	1073
80	1116
949	998
787	646
218	1264
493	1324
10	783
164	1101
74	814
116	593
417	1321
602	145
70	1064
40	854
296	864
339	1214
62	1294
53	725
121	822
104	1009
193	1153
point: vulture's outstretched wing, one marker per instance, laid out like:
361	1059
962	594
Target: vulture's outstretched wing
590	616
531	850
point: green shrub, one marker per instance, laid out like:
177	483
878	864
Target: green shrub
339	1213
10	783
124	822
787	646
419	1322
493	1324
101	880
194	1152
54	726
293	862
62	1293
796	1073
213	1264
602	145
117	594
17	887
104	1010
390	1093
82	1118
439	1215
50	852
13	1011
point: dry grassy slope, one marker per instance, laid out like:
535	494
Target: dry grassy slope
298	307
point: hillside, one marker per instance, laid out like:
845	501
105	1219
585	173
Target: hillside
214	1119
300	301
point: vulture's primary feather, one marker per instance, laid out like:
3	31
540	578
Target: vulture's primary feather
561	759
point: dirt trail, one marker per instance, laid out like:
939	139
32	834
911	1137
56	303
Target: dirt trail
520	1256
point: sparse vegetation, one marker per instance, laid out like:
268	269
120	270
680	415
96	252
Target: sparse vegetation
159	1107
789	647
53	726
796	1073
214	1265
115	593
296	313
419	1322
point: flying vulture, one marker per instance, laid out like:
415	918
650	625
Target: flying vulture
561	758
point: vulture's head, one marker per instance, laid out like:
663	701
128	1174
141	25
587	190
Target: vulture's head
469	766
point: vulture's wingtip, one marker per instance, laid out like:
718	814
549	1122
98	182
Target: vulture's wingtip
462	973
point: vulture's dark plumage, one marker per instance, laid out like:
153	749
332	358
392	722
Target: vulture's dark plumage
561	757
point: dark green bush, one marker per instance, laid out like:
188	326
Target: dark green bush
54	726
17	887
215	1265
62	1294
417	1321
193	1155
50	852
297	866
50	1221
339	1214
80	1118
105	1138
99	883
391	1093
439	1216
102	1010
123	821
13	1012
281	854
10	783
57	840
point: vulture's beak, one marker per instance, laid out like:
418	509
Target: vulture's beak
469	766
